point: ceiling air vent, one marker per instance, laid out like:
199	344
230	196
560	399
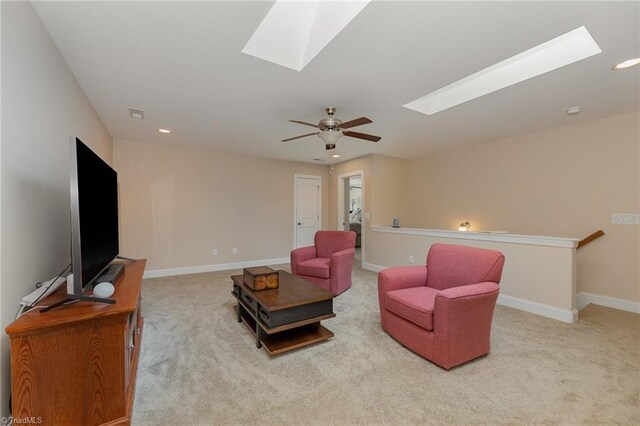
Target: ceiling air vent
136	113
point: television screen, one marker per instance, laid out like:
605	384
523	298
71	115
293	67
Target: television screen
94	214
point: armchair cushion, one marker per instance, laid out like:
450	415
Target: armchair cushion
414	304
316	267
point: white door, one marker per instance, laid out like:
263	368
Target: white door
307	209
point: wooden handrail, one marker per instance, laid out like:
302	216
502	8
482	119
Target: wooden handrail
583	242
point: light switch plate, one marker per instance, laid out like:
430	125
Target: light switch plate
625	218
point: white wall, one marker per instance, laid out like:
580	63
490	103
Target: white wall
42	106
563	182
389	190
178	204
383	190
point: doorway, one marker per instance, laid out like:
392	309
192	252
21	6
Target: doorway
307	206
351	214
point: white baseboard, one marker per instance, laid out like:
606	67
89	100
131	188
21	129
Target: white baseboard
185	270
564	315
583	299
372	267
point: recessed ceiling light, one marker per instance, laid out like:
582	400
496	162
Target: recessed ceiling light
294	32
136	113
626	64
336	155
164	130
559	52
574	110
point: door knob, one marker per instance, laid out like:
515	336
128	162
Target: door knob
299	223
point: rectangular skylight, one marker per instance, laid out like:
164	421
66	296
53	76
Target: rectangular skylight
294	32
563	50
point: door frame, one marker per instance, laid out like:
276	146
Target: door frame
341	207
295	203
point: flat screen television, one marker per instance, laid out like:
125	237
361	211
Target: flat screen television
94	214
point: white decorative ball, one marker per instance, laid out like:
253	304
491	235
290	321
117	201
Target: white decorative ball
103	290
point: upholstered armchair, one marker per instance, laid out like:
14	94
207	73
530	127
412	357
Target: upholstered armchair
328	262
443	311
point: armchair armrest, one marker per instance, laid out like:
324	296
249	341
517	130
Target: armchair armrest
468	290
300	255
396	279
462	319
343	254
342	259
340	270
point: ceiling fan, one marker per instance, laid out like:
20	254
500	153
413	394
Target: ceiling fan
331	129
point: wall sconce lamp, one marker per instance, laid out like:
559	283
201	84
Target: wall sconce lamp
464	226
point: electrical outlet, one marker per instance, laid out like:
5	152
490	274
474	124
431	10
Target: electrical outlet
215	252
234	251
411	260
625	218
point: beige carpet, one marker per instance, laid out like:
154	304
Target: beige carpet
199	366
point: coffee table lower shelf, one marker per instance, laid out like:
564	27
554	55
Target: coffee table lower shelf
287	340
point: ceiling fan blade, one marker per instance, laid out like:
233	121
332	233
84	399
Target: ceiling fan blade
298	137
357	122
364	136
304	122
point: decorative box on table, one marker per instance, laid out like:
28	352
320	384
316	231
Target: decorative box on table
260	278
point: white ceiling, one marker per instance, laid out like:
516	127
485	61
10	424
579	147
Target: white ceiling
182	64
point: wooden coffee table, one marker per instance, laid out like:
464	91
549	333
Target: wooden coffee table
287	317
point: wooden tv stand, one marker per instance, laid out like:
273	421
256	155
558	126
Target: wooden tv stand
77	364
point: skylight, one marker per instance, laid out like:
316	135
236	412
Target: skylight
557	53
294	32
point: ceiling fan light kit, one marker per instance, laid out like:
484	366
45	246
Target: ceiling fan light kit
331	129
330	137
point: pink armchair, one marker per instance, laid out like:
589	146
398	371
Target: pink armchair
328	263
443	311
